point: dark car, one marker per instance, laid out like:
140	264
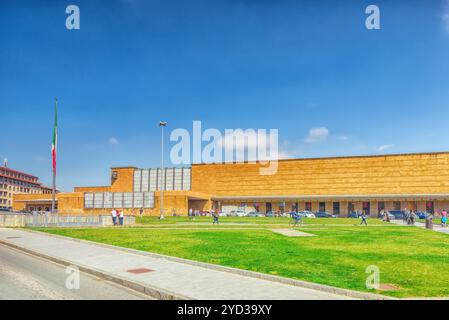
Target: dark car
398	214
4	210
353	215
422	215
323	215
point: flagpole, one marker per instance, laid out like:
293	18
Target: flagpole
54	148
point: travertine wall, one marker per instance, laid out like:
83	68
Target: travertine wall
71	203
124	181
392	174
18	205
92	189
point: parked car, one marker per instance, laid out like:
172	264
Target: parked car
252	214
324	215
353	215
398	214
422	215
241	214
307	214
391	216
4	210
269	214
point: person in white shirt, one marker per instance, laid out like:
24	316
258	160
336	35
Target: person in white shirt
114	216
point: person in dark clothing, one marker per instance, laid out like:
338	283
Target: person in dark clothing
364	219
215	216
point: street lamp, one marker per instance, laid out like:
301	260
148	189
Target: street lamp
162	124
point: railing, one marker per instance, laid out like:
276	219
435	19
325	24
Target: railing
48	220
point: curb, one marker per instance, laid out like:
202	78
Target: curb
241	272
151	291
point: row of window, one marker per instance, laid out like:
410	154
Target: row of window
103	200
17	175
336	207
19	183
154	180
23	189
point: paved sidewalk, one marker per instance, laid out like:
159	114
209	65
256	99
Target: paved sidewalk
436	227
176	278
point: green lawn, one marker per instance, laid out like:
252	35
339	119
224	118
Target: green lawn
413	259
246	221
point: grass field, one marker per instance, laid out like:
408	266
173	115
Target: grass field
247	221
413	259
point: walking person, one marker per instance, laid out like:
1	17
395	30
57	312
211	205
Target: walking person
412	217
215	216
114	216
364	219
444	218
141	213
296	218
121	217
387	216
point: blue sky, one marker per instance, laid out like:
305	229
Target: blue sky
310	69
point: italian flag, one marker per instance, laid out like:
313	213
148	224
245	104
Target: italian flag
54	145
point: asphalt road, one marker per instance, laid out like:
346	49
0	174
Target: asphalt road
26	277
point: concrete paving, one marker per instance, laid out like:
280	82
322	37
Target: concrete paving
292	233
436	227
27	277
184	280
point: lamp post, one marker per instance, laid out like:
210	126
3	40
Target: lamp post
162	124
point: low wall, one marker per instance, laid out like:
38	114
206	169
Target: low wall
28	220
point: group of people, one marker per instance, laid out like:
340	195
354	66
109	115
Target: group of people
409	217
117	217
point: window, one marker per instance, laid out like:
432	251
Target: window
282	207
98	200
351	207
169	176
151	179
380	207
322	207
138	200
186	173
366	207
336	208
118	200
102	200
145	180
88	200
107	200
154	180
177	183
127	200
396	205
430	207
308	206
138	180
268	207
148	199
295	206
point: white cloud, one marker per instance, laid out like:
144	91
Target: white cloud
317	135
343	138
113	141
446	16
255	143
385	147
